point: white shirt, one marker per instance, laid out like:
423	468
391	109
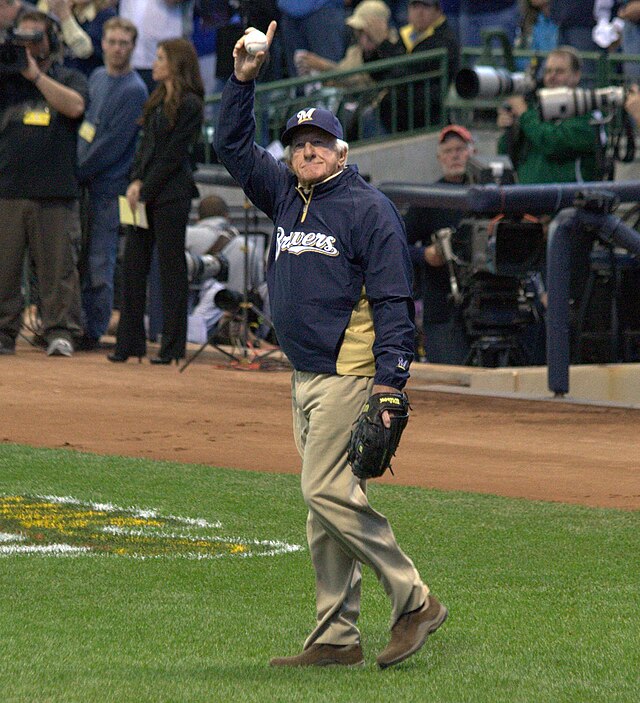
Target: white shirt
155	21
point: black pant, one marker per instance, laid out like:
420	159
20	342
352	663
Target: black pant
167	228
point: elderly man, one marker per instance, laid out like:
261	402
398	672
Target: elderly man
40	109
550	152
445	339
339	281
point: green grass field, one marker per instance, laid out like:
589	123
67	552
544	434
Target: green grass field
544	598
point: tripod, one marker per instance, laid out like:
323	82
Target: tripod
230	303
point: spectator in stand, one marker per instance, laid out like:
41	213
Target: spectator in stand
397	8
105	152
538	32
40	110
75	38
91	16
628	11
428	29
476	15
313	25
162	179
445	338
155	20
375	40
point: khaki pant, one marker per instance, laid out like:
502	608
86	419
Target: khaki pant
45	229
343	530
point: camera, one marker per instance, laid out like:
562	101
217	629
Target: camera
490	169
560	103
13	52
491	260
490	82
202	267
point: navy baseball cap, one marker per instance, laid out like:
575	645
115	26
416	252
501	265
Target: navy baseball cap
312	117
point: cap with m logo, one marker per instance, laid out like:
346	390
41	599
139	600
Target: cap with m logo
312	117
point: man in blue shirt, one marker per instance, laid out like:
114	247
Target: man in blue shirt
105	151
339	279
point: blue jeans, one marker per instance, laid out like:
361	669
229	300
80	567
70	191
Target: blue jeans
471	25
322	32
97	281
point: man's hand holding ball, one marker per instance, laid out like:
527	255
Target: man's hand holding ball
250	52
255	41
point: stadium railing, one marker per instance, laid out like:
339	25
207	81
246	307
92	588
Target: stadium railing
356	100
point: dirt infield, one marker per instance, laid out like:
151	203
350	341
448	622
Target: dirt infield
215	415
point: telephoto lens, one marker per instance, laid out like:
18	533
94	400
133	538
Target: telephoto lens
560	103
490	82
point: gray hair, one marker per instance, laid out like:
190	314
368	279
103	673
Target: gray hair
341	146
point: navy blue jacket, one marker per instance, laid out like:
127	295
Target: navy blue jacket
339	273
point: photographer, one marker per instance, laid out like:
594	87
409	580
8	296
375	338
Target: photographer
563	151
41	106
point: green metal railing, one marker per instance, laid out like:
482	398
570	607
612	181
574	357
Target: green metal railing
359	106
356	105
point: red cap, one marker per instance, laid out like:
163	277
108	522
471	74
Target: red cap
458	130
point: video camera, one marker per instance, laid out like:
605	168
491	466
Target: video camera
13	52
489	259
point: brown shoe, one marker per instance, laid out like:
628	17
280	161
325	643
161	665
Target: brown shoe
411	631
324	655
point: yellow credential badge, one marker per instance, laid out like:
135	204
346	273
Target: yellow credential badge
87	131
37	118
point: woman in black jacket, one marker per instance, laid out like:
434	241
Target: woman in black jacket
162	178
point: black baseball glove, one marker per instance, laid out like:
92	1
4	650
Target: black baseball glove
372	444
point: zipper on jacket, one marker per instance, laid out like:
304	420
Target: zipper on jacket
306	200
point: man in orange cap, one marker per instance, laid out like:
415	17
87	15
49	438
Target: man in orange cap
445	339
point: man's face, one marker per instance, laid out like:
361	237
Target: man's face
315	155
117	47
8	12
421	17
453	155
39	50
558	72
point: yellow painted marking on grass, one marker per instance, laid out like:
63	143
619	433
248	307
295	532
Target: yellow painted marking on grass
32	524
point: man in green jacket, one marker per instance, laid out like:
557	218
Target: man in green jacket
563	151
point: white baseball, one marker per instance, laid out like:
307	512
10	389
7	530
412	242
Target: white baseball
255	41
